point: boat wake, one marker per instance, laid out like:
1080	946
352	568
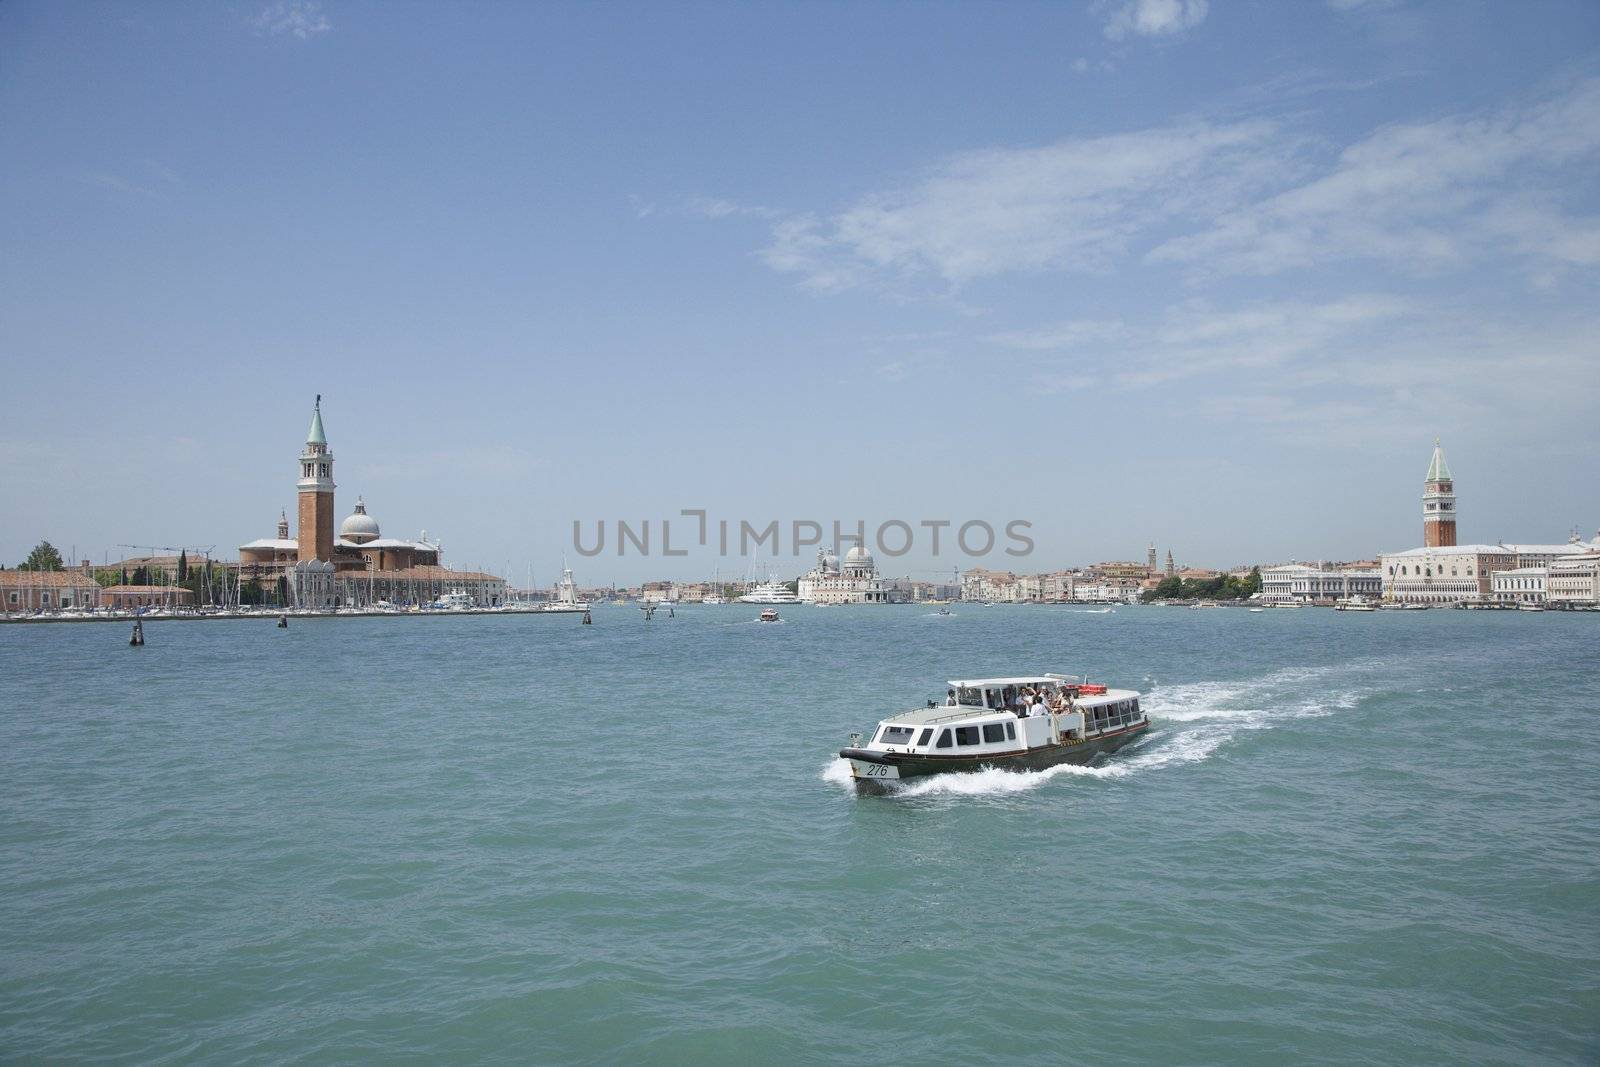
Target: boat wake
1188	724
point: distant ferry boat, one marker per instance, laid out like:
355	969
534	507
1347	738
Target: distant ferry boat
455	600
985	725
712	598
773	592
769	615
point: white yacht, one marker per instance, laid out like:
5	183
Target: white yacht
772	592
455	600
984	723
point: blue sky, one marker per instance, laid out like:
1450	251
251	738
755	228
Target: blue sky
1212	274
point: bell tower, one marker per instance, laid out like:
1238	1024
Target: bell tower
1438	503
316	493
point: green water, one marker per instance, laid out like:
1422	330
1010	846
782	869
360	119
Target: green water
1350	838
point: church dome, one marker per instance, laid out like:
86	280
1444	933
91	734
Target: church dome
359	527
858	561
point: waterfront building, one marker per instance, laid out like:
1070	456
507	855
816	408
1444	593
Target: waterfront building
358	566
1574	579
1443	574
28	591
1120	569
1106	590
1300	583
1519	585
851	580
983	584
1057	586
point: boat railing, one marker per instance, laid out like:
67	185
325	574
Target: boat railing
963	711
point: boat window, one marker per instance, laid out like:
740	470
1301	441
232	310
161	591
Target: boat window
993	731
966	735
927	735
944	739
896	735
969	696
1011	731
1135	707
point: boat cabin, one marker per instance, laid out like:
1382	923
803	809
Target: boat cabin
988	716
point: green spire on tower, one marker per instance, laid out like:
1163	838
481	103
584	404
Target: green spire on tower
1438	470
316	436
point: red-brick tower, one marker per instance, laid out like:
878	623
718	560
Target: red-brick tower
1438	503
316	493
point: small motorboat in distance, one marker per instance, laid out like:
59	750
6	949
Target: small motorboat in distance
985	722
770	615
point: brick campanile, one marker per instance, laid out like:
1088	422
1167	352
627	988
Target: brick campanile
315	533
1438	503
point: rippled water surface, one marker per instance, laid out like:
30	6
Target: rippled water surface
1350	838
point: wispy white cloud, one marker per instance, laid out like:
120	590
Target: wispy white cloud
1237	198
1420	196
146	178
1344	369
1152	18
298	18
712	207
1197	338
1078	204
1062	335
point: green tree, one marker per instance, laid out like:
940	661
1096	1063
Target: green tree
183	566
44	557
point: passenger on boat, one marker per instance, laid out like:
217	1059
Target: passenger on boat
949	698
1038	711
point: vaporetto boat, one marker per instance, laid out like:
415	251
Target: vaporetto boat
985	723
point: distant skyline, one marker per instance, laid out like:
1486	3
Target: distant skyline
1208	274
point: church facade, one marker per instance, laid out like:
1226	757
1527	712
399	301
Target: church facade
853	581
357	567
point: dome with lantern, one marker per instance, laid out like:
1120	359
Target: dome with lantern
858	561
360	527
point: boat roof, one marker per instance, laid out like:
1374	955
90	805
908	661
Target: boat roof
1022	679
